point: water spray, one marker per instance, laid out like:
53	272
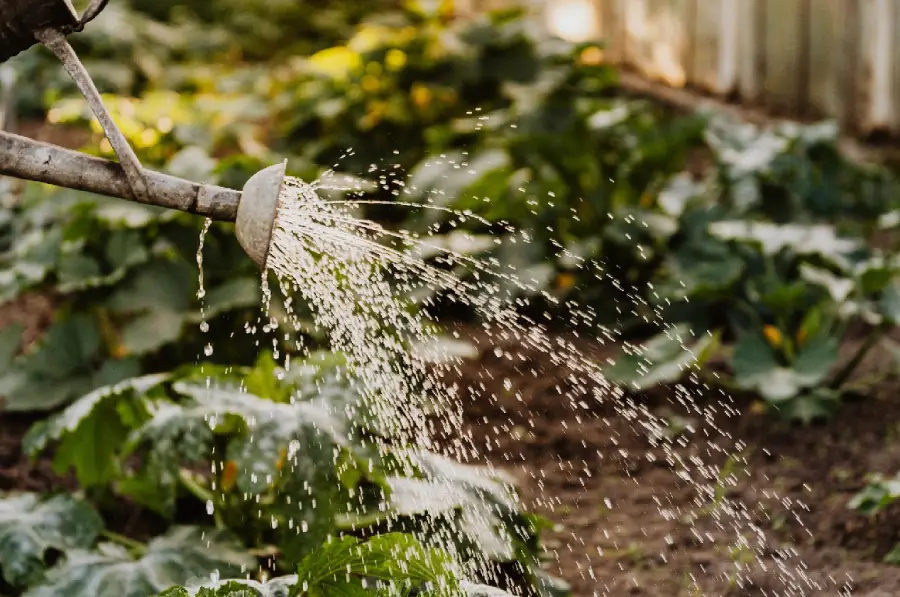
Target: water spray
24	23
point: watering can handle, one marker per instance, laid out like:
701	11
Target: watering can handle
56	41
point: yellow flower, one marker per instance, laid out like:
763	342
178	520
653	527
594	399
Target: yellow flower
802	335
591	56
279	464
370	84
395	59
773	335
565	281
421	96
337	62
229	475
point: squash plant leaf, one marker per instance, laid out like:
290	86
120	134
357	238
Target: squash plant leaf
32	526
65	365
756	366
662	359
91	432
475	505
182	555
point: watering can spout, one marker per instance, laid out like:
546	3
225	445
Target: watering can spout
24	23
253	209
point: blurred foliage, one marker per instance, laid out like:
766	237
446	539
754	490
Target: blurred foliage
751	244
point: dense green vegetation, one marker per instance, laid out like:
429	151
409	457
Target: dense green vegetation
752	245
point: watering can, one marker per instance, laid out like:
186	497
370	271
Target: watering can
24	23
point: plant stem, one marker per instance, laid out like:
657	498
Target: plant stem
847	370
202	494
135	547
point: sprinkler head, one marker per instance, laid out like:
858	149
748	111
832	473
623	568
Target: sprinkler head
257	210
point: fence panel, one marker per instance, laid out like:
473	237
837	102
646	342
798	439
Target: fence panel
807	59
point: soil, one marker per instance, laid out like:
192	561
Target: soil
594	473
627	524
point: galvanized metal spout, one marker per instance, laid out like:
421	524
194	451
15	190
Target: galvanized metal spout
24	23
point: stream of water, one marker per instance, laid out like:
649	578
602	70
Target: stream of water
370	292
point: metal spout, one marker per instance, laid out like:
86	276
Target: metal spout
26	22
253	209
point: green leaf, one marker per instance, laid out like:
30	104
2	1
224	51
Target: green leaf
662	359
756	368
889	305
63	367
817	404
876	496
178	557
31	526
476	506
341	563
802	239
276	587
92	430
151	331
237	293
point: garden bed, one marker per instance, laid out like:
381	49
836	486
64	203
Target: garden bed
615	508
812	471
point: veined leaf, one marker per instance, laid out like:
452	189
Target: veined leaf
662	359
342	564
92	430
31	526
182	555
64	366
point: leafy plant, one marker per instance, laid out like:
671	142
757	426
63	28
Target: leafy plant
32	528
181	555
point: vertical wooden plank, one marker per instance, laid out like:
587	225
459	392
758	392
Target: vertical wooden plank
634	18
707	33
874	108
612	30
830	58
786	52
895	57
667	43
751	40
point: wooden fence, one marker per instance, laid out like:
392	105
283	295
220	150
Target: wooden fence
807	59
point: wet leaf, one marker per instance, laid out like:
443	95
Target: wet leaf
176	558
92	431
32	526
756	366
662	359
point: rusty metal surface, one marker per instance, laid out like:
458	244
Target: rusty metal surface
20	18
28	159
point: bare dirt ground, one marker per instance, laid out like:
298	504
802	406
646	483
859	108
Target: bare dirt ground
628	525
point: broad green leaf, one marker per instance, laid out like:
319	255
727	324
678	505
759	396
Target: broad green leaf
238	293
182	555
773	238
31	526
151	331
63	367
817	404
159	286
93	429
756	367
880	493
475	507
276	587
342	563
662	359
